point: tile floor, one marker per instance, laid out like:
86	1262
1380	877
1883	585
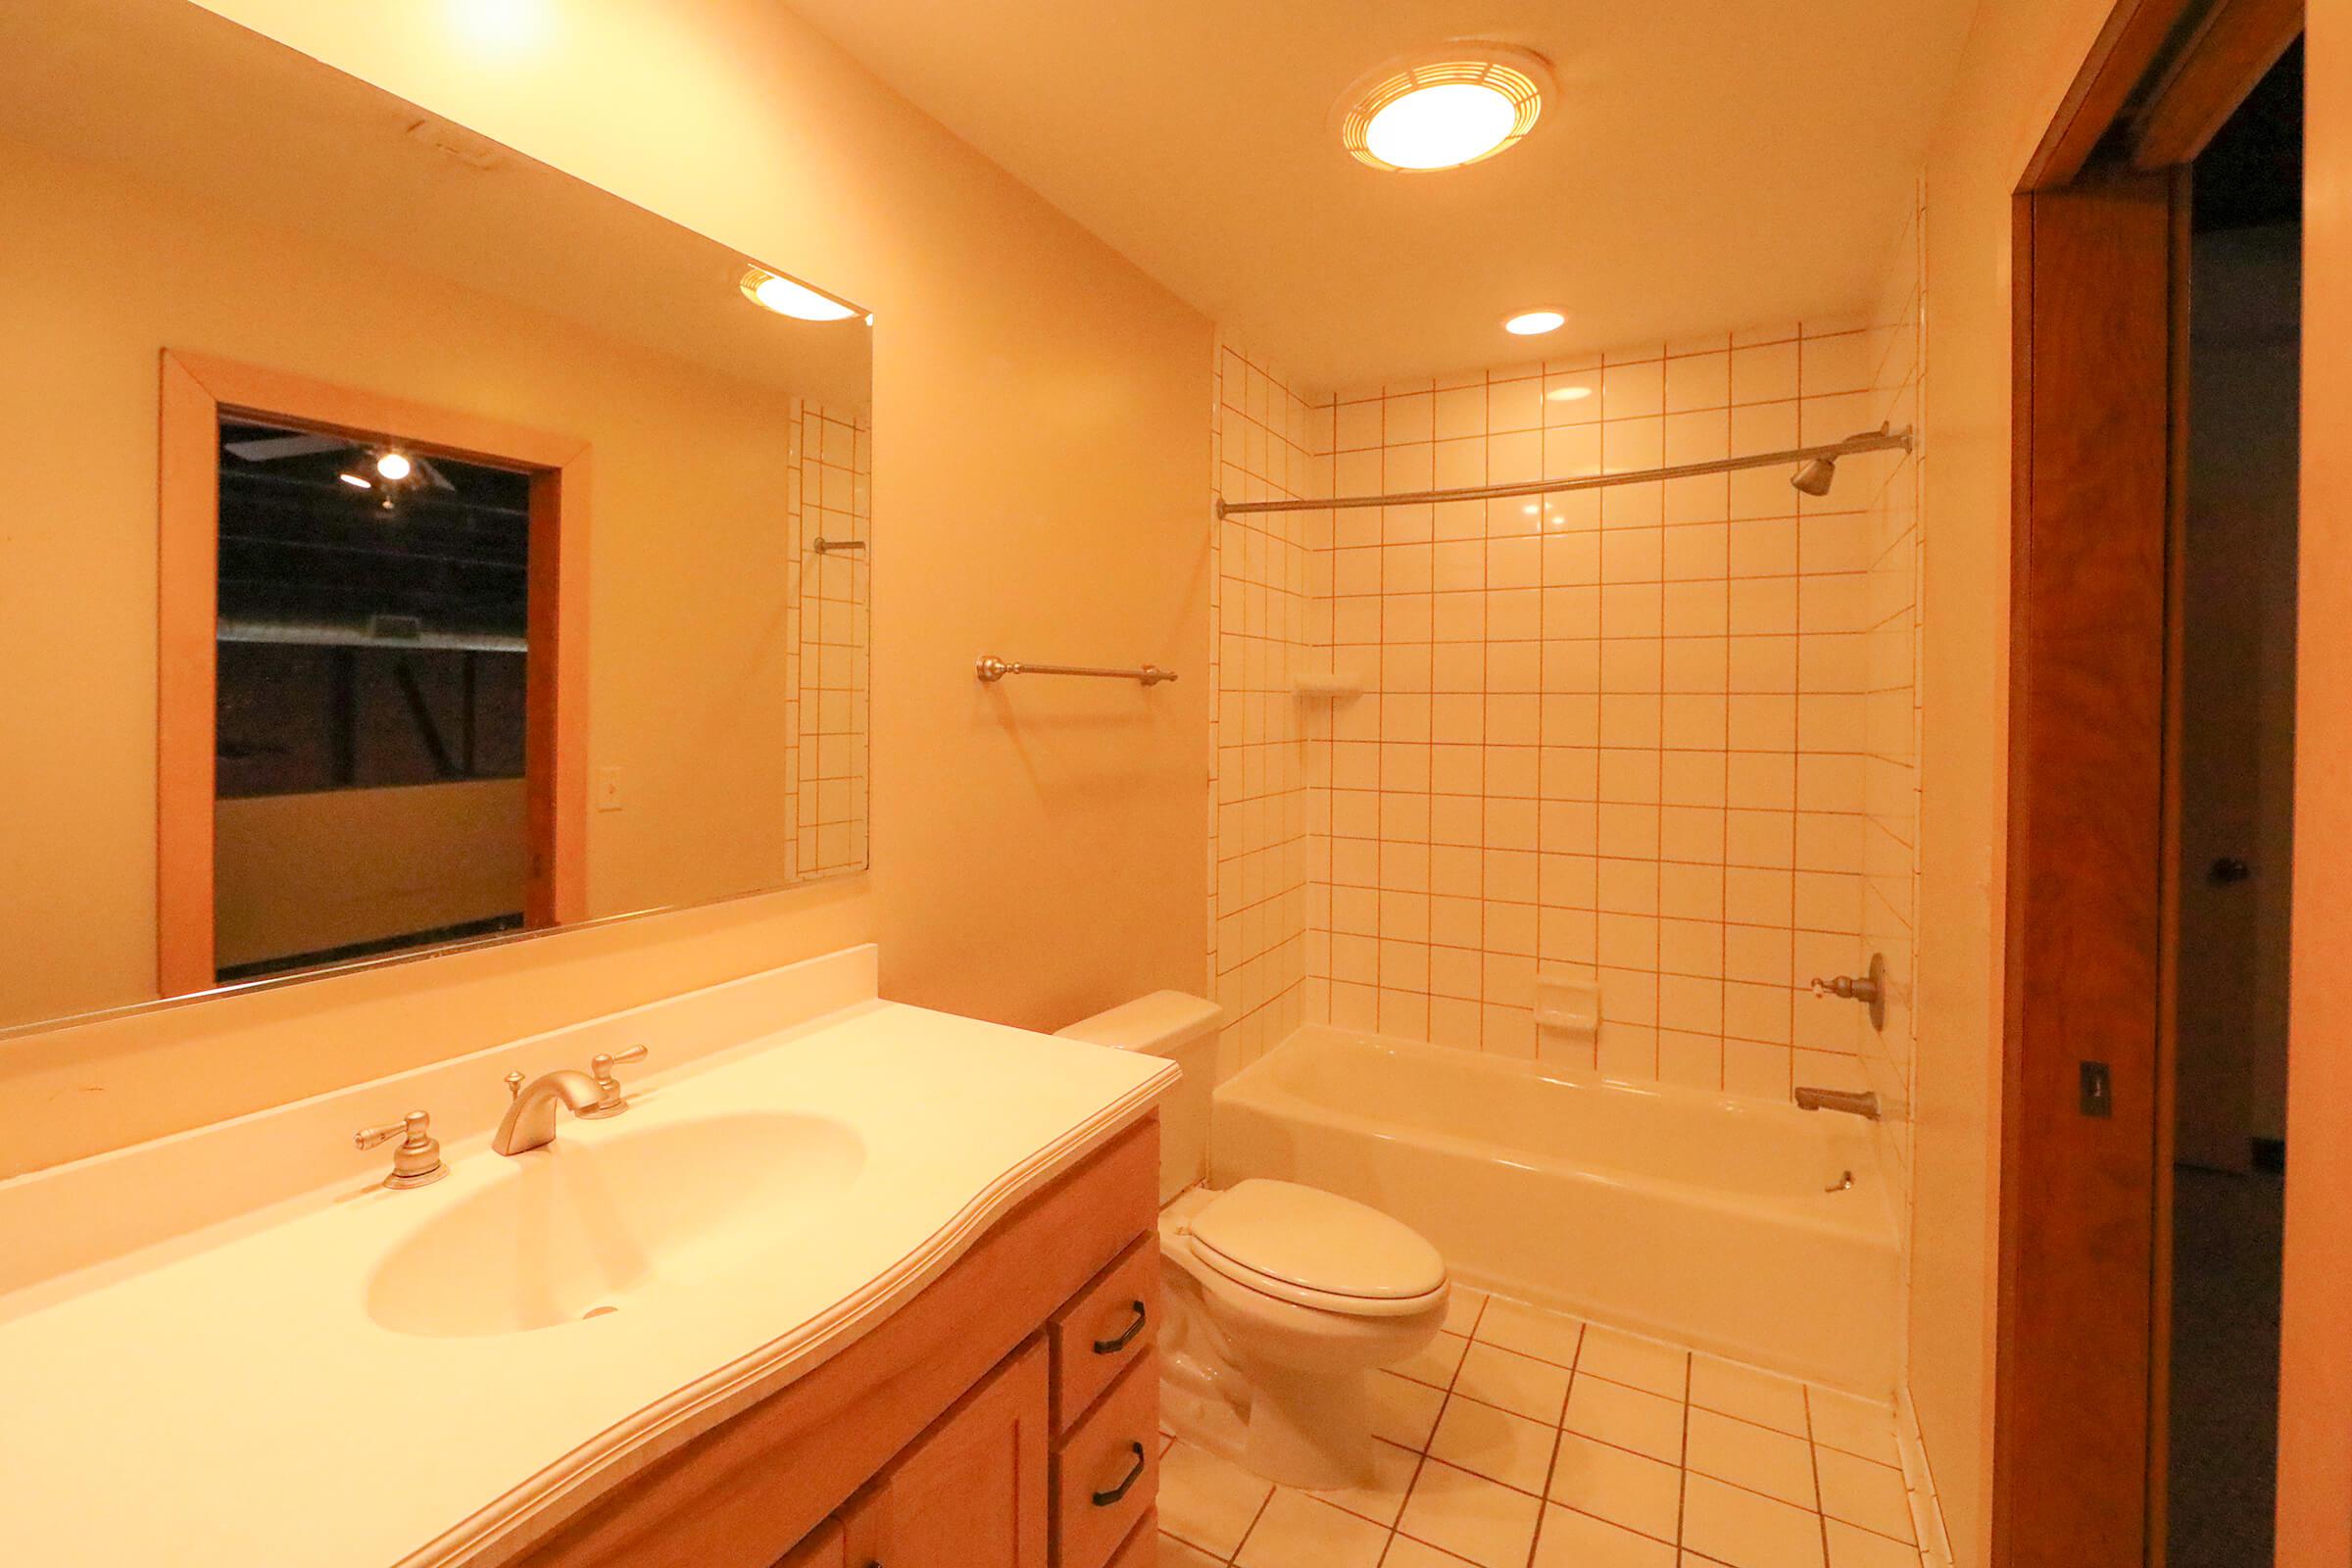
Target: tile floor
1522	1438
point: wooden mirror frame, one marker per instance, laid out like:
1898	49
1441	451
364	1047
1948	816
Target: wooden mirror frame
196	390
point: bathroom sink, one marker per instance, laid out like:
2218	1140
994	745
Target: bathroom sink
581	1228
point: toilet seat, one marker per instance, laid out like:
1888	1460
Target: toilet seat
1316	1249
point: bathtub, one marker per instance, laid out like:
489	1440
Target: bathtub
1713	1220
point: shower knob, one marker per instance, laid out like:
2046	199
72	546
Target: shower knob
1869	989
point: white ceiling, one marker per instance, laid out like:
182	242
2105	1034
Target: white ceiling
1708	163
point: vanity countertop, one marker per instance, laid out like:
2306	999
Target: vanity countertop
232	1402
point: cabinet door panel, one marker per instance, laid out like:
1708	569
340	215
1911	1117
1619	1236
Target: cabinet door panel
971	1492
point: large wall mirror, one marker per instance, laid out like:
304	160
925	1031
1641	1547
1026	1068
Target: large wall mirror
402	543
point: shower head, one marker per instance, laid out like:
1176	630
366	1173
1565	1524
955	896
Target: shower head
1816	478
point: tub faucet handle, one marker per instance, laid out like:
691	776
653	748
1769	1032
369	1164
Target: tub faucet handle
1845	985
1867	988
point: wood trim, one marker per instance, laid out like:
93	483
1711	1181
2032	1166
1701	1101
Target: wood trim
375	415
196	389
556	697
2127	50
187	607
2168	869
2093	422
2211	74
770	1474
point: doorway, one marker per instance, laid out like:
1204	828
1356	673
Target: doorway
2234	840
2151	734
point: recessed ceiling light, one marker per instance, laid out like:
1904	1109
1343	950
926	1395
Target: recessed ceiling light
1533	323
1568	394
1465	102
787	298
392	465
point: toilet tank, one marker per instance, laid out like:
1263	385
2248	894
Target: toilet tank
1183	1029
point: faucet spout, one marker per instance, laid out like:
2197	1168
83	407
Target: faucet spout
530	1121
1854	1102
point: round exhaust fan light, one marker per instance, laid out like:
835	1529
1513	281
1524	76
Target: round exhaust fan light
1468	104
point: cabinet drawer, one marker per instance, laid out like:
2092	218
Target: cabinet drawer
1143	1544
1104	1330
1107	1471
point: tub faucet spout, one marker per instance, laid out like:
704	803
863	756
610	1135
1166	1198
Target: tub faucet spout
1857	1102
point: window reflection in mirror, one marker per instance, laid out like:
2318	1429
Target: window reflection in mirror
373	645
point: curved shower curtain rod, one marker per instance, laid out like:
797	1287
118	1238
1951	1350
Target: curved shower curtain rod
1883	439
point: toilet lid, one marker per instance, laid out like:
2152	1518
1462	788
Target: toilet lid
1315	1240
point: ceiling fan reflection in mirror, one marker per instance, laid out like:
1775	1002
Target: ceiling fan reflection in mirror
384	469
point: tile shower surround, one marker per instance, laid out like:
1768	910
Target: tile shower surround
1622	735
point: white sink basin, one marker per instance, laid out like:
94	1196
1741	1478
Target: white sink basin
575	1230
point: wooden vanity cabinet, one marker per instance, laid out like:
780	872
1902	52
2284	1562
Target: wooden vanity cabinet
1006	1417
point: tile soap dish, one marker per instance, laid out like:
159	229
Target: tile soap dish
1326	683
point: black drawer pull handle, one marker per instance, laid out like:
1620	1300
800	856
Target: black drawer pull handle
1114	1346
1103	1499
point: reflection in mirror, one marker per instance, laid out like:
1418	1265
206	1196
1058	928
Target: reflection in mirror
371	678
424	546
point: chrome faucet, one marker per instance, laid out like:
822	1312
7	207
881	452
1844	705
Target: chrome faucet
530	1120
1854	1102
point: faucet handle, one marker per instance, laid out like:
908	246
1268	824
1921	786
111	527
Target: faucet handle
417	1162
599	1068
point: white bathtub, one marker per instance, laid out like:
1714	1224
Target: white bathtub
1714	1220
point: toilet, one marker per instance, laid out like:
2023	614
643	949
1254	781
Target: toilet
1281	1299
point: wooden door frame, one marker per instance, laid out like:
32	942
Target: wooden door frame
196	390
2098	493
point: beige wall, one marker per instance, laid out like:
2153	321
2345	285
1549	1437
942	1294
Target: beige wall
2021	55
1040	848
2315	1386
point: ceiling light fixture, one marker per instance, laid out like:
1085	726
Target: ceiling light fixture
783	296
354	481
1458	105
393	467
1533	323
